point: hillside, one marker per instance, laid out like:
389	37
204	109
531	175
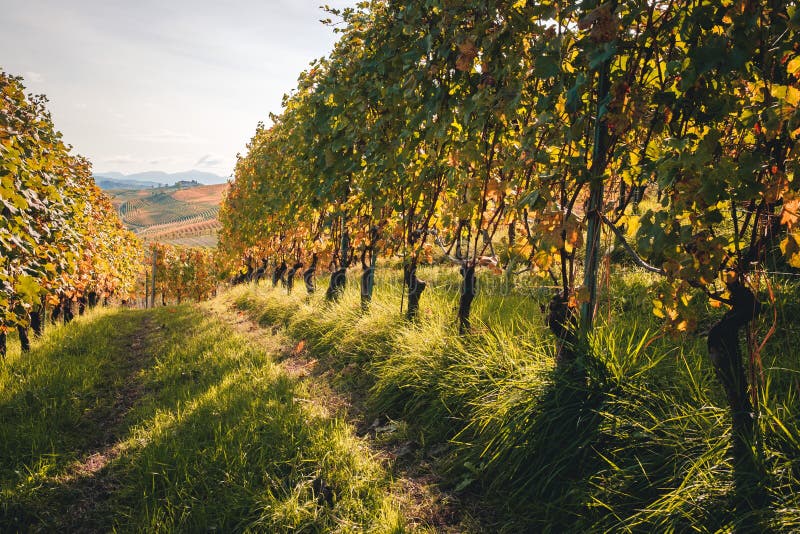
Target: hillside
262	411
146	180
107	183
176	214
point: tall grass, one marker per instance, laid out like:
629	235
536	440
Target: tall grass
166	420
638	440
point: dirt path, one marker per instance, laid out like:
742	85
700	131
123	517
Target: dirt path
87	480
415	486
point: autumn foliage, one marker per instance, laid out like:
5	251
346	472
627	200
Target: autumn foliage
514	135
184	272
60	238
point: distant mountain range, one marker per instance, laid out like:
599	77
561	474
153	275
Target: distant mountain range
146	180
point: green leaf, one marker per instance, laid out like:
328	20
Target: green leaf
28	288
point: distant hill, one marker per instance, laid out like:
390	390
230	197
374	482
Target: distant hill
185	213
146	180
112	175
106	182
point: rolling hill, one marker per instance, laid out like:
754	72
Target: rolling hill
151	179
108	183
182	215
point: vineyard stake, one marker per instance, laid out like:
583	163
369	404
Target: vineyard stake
153	284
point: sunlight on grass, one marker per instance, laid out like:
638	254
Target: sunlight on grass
639	441
169	420
215	438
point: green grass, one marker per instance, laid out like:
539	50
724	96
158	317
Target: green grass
167	420
637	441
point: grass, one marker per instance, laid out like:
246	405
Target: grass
637	441
167	420
170	420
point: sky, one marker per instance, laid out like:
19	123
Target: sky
169	85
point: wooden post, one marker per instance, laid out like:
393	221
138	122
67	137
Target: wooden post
153	281
596	195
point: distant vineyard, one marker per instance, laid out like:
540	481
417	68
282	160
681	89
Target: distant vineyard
163	209
131	207
195	231
190	226
176	216
204	241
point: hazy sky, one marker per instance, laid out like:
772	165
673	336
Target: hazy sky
170	85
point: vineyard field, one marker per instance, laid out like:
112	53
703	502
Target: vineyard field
486	266
209	240
175	215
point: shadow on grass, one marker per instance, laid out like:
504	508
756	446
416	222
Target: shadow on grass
63	403
533	461
213	438
584	453
642	449
750	502
57	399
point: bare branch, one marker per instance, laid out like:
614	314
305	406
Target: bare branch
438	240
632	253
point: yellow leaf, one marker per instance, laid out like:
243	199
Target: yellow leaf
791	211
791	249
793	67
792	95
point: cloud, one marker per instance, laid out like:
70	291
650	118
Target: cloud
161	161
120	160
31	76
204	74
167	136
210	160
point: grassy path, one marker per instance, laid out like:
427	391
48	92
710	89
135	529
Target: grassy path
262	412
87	484
415	487
170	420
63	408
